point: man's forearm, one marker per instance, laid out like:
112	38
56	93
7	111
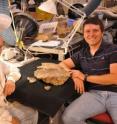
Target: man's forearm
64	66
67	64
105	79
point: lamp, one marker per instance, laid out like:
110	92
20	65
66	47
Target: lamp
50	7
5	22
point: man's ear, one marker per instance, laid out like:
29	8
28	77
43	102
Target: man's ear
1	42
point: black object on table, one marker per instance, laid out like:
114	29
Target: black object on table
34	95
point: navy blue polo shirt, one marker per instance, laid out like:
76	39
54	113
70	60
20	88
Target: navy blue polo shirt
98	64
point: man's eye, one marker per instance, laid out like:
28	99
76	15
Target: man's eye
95	30
87	31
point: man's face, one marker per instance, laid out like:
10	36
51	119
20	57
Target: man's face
92	34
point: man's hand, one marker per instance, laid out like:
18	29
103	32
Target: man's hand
78	74
9	88
79	85
78	78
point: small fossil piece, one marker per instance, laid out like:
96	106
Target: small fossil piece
47	87
31	79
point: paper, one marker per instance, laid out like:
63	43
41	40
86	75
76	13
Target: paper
52	43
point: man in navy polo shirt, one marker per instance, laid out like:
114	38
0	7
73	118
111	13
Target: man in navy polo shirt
96	65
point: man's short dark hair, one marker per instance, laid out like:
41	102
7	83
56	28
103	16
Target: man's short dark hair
94	20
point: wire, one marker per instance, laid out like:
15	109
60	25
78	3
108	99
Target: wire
13	21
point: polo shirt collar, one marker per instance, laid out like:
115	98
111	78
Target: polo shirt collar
102	46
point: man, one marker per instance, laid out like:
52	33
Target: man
8	77
96	77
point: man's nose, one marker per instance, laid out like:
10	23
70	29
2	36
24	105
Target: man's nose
91	33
